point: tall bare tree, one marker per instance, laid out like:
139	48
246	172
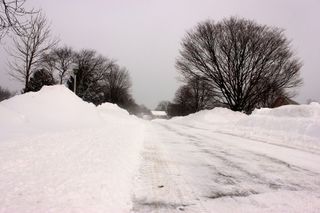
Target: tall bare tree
60	60
29	47
13	16
242	61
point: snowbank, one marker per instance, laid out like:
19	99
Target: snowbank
61	154
295	125
108	109
158	113
291	125
293	120
216	116
53	108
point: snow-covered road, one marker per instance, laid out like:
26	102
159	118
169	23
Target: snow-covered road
61	154
194	169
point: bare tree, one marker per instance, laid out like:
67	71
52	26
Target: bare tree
29	47
182	103
91	70
60	60
99	80
117	86
242	61
202	95
13	16
192	97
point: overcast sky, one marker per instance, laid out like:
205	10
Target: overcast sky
145	35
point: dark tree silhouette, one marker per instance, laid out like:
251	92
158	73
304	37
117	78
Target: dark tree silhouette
60	60
192	97
4	94
201	96
242	61
182	103
97	79
39	79
117	85
90	70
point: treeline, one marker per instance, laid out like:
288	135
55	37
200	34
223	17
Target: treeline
38	60
93	77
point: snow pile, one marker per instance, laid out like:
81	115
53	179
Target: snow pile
9	117
61	154
216	116
53	108
158	113
291	124
108	109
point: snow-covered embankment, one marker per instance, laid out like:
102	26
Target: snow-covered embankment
295	126
60	154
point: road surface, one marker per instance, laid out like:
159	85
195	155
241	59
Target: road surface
192	169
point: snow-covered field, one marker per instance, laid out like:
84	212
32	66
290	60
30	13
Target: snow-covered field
60	154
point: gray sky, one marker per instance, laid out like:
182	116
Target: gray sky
145	35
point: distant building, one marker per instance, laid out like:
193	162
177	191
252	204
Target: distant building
159	114
282	100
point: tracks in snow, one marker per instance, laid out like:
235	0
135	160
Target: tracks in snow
160	186
183	169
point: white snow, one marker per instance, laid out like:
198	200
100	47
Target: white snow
61	154
51	109
159	113
77	158
292	125
211	161
216	116
296	120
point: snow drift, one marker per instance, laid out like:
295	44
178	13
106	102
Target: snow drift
291	125
108	109
61	154
53	108
216	116
292	120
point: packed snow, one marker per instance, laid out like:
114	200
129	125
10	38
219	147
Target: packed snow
61	154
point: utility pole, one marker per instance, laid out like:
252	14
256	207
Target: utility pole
74	83
74	76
